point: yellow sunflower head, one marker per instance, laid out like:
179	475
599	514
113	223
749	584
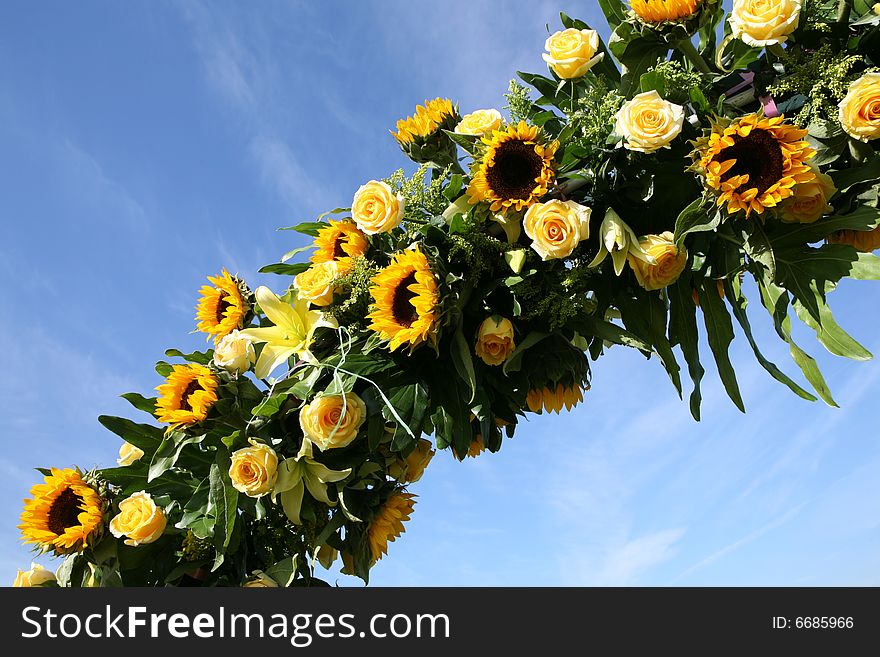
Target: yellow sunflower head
754	162
427	121
654	12
866	241
223	306
64	514
405	295
187	395
388	523
340	242
515	170
553	400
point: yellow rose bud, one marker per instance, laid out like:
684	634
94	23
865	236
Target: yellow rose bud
333	421
480	122
129	454
860	108
36	576
376	208
235	353
139	520
260	580
761	23
648	123
810	200
556	227
669	262
253	469
865	241
411	469
315	284
495	340
571	53
877	9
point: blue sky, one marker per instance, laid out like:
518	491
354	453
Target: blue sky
146	145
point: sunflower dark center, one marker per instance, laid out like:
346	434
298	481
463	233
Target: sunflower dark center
184	398
402	307
338	251
222	305
64	511
758	155
516	168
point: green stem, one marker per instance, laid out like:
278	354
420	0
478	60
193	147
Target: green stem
844	7
687	48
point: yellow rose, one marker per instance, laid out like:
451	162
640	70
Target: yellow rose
139	520
333	421
669	261
315	284
648	123
860	108
495	340
480	122
411	469
556	227
253	469
571	53
36	576
129	454
810	200
762	23
877	9
376	208
260	580
865	241
235	353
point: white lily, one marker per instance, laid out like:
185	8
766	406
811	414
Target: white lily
292	334
619	241
298	474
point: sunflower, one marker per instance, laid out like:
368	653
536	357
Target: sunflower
553	400
754	162
223	307
388	524
662	11
340	242
865	241
405	294
515	170
187	395
65	514
427	120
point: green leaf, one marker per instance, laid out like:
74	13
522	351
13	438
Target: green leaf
514	361
163	369
775	300
645	314
285	269
830	333
168	452
143	436
847	178
201	357
795	235
287	256
609	332
310	228
410	401
145	404
719	330
804	270
694	219
224	504
866	267
615	12
759	248
468	143
683	330
272	404
463	362
284	571
738	304
653	81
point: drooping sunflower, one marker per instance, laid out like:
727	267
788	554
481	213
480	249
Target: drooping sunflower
223	306
515	170
340	242
754	162
865	241
388	524
187	395
65	514
427	120
553	400
406	296
664	11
